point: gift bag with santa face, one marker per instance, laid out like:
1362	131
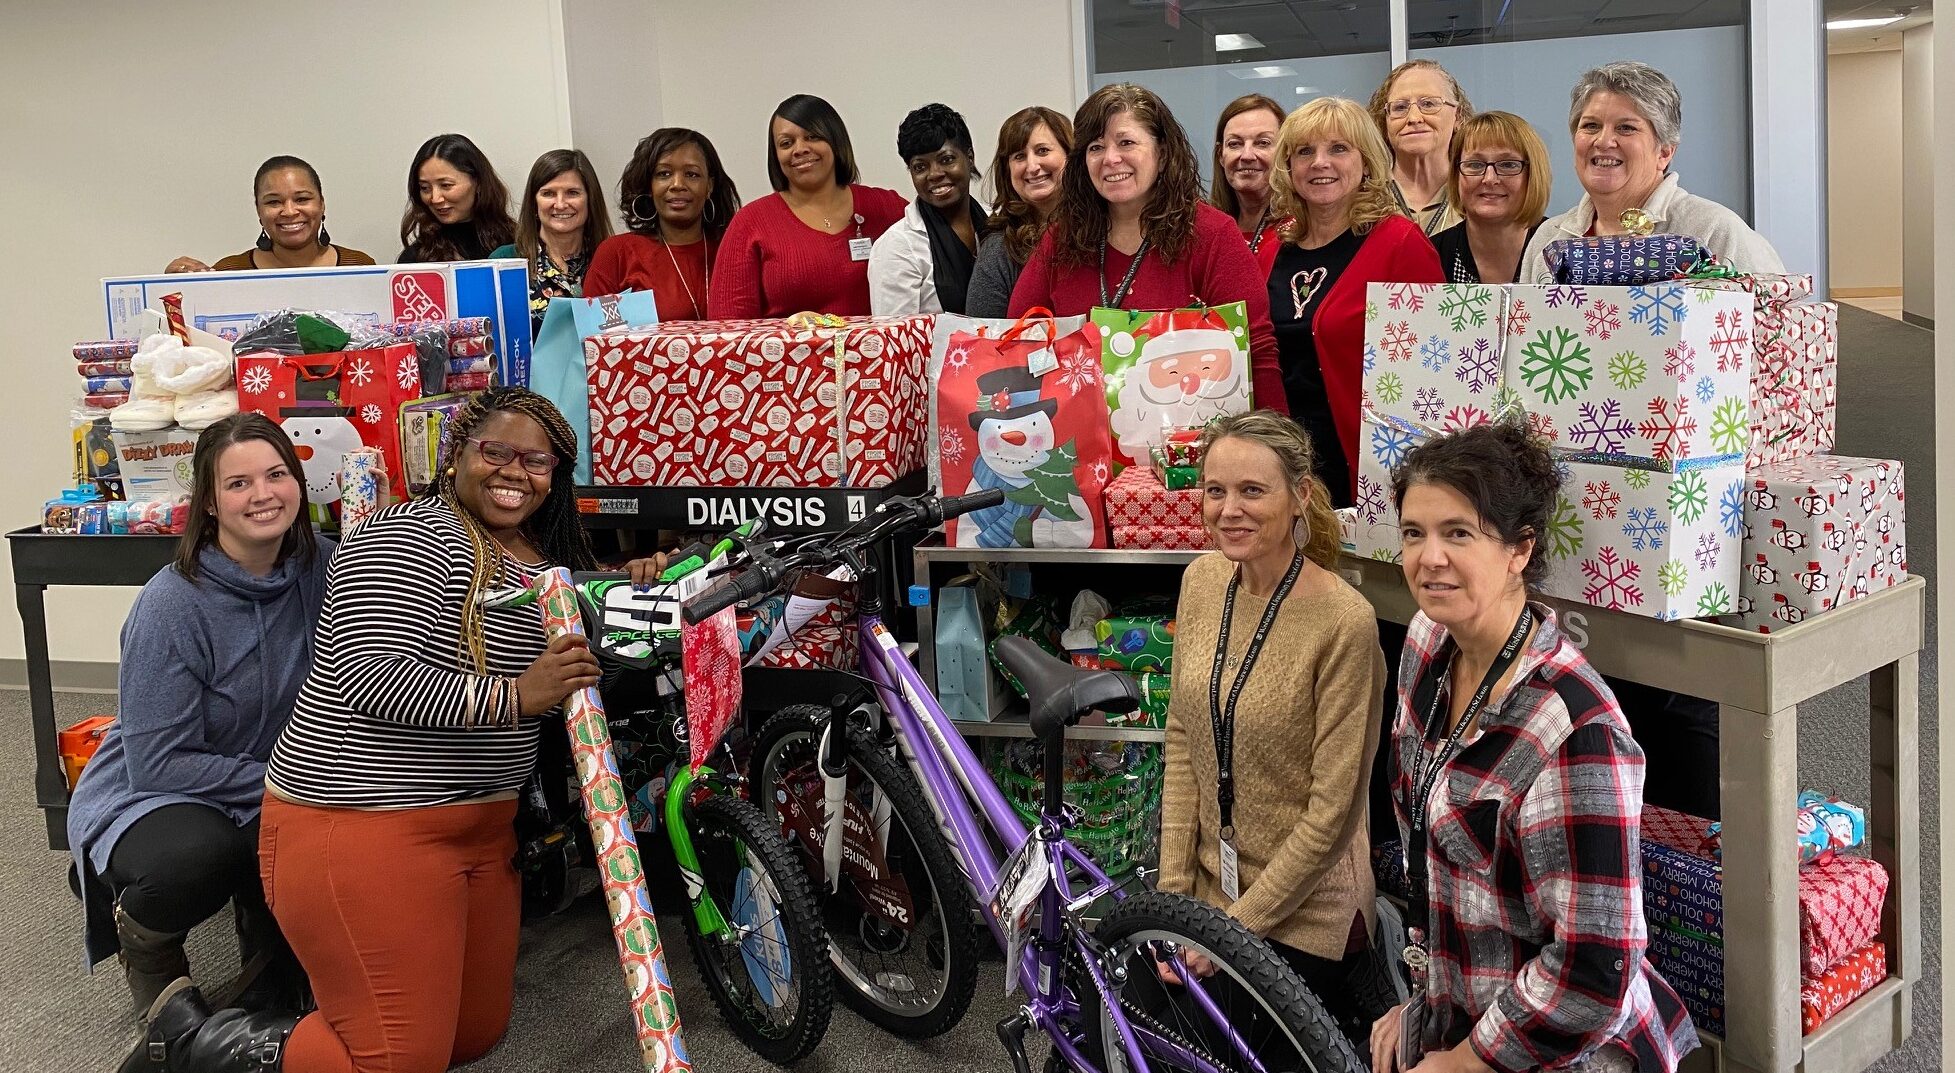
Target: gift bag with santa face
1019	406
331	404
1178	368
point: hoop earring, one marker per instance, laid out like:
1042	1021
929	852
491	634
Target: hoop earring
638	214
708	215
264	240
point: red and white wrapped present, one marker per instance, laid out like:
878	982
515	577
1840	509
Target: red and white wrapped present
1138	498
1161	537
1820	531
1835	990
1794	381
759	403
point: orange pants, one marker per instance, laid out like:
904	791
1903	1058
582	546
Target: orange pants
406	921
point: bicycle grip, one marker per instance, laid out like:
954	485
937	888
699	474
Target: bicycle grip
744	586
953	506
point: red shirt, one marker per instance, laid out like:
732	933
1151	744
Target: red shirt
676	275
1272	241
1216	269
772	265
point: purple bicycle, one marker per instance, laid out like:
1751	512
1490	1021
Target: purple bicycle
907	854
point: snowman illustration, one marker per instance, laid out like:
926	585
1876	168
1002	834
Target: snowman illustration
321	435
1191	368
1018	452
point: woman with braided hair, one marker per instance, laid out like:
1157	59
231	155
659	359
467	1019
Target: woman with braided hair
387	841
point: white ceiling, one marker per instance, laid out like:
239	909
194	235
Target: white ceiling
1917	13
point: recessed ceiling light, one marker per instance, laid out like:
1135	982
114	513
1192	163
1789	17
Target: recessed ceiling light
1861	24
1279	70
1236	42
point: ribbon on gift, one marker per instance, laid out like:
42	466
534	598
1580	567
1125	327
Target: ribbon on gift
1779	383
813	323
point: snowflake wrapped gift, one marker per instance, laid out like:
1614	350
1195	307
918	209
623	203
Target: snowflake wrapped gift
1820	531
1648	542
1656	375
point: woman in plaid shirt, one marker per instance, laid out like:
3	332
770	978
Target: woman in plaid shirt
1533	912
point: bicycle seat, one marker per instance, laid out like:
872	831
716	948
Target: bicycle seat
1061	692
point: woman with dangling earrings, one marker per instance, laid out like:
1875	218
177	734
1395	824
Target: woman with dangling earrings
291	225
676	200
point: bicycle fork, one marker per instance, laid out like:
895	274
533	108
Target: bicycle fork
706	915
833	757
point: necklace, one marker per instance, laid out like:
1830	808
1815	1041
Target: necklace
698	312
1262	227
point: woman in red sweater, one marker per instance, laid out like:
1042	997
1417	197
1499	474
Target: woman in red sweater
805	247
677	202
1333	177
1132	230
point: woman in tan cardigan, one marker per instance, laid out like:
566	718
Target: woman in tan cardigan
1280	842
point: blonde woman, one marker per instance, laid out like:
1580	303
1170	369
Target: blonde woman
1333	178
1500	187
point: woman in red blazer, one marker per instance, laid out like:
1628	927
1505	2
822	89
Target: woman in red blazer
1333	178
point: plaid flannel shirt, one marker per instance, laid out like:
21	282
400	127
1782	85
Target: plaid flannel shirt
1532	859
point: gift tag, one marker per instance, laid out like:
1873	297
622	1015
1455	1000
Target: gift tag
1041	361
1231	872
859	249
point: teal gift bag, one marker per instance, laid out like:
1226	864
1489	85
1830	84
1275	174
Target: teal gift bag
557	360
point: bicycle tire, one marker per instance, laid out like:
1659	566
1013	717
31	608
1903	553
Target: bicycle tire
722	825
1290	1013
925	862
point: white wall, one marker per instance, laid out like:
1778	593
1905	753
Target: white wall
133	130
1863	162
1918	173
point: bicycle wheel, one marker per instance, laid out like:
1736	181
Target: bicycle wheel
903	933
769	979
1260	996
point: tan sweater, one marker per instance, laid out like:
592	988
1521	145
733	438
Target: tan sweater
1305	730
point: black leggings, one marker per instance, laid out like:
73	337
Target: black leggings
177	866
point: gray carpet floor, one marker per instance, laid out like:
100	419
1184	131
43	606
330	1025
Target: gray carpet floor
569	1008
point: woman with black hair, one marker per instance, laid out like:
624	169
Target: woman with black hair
291	224
923	263
804	248
677	201
457	209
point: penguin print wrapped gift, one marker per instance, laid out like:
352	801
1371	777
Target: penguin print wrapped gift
1172	369
1021	409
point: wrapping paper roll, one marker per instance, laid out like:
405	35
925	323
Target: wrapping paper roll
469	346
655	1008
468	382
106	350
359	489
107	400
103	368
173	312
458	326
106	385
468	366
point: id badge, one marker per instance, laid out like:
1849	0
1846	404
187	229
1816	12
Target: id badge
1231	871
859	249
1412	1023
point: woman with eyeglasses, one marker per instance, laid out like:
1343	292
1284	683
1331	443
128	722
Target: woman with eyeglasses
1417	108
1500	186
1333	176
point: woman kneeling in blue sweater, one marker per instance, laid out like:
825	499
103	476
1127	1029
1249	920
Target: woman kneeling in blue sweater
164	821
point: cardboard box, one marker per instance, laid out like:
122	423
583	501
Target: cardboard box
156	465
1820	531
226	303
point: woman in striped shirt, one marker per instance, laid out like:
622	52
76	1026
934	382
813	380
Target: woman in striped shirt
387	837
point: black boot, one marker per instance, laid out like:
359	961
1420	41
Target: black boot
269	976
184	1036
150	958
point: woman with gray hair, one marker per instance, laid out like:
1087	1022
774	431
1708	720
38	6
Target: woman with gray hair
1626	118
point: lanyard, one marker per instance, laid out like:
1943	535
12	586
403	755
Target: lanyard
1426	773
1126	282
1223	716
1262	228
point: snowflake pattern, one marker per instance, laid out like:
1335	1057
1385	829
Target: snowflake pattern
1542	425
1409	297
1426	404
1715	600
1466	307
1370	311
1638	479
1602	428
1707	551
1478	366
1434	354
1658	307
1390	388
1628	370
1398	341
1690	497
1370	356
1557	297
1612	580
950	445
1680	361
257	380
1668	430
1644	529
1564	529
1730	427
1674	577
1603	319
1600	500
1389	445
1728	340
370	414
1706	390
956	356
408	373
1506	401
360	372
1078	370
1731	510
1556	364
1371	501
1463	417
1518	318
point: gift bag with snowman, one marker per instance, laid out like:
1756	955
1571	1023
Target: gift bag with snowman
1019	406
331	404
1175	368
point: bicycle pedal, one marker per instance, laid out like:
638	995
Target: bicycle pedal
1011	1033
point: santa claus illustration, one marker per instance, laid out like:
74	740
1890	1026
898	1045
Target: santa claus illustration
1191	367
1019	451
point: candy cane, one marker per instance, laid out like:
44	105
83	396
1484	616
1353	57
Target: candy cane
655	1008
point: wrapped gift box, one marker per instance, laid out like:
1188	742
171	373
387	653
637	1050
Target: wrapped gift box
1388	868
1155	690
1694	968
1795	382
1657	374
1160	537
1138	498
1820	531
766	403
1820	999
1136	642
1648	542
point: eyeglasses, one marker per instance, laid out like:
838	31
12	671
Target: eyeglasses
498	453
1500	167
1426	105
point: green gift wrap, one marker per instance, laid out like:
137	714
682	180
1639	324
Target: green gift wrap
1037	619
1175	477
1171	369
1153	710
1137	642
